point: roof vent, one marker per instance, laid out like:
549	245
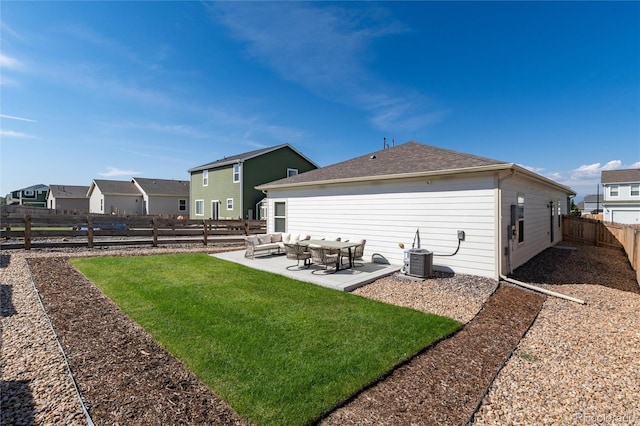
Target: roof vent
373	157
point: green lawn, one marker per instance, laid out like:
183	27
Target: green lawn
279	351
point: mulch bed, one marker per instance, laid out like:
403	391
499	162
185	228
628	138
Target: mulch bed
124	376
445	384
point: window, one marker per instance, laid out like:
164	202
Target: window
182	205
613	190
236	173
279	217
205	178
199	208
520	213
292	172
102	204
635	189
229	203
29	194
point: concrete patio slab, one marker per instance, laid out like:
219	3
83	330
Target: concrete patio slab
343	280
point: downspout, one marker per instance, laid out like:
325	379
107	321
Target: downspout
241	172
500	255
500	225
542	290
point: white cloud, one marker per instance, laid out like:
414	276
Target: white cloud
532	168
325	49
12	117
113	172
15	135
10	63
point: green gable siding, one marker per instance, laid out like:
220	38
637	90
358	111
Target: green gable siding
267	168
257	170
220	187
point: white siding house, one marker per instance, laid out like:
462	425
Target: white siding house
114	197
621	196
163	196
387	196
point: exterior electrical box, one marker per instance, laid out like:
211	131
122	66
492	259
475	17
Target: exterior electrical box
418	263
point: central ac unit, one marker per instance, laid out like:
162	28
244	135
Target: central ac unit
418	263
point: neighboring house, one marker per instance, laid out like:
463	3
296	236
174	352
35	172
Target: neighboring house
508	213
621	196
114	197
225	189
33	196
163	197
68	198
592	204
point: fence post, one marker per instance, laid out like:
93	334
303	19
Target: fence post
89	232
205	232
27	232
154	221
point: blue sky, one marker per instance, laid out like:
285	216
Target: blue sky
114	90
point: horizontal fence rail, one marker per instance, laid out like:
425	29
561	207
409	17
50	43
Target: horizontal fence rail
27	231
607	234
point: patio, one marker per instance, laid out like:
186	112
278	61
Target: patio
343	280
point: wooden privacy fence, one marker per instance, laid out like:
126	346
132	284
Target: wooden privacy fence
606	234
89	231
588	231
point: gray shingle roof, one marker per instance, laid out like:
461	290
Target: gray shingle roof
620	176
243	157
117	187
164	186
408	158
68	191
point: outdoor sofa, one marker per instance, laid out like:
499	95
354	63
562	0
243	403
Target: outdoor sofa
271	243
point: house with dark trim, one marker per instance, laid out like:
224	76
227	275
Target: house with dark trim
475	215
32	196
225	188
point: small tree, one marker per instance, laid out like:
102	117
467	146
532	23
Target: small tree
574	210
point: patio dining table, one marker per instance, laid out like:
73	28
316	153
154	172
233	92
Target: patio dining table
330	244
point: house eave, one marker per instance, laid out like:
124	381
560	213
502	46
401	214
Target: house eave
434	173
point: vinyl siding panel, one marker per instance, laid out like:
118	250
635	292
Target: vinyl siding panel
387	213
221	187
537	219
167	205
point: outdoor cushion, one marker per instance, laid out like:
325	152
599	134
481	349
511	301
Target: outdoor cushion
276	238
264	239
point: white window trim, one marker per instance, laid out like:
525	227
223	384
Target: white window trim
229	203
276	217
236	175
637	188
205	178
617	188
195	208
291	172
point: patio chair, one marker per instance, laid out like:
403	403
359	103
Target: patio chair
297	252
357	253
322	257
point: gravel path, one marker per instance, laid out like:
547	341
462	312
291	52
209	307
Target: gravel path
576	365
